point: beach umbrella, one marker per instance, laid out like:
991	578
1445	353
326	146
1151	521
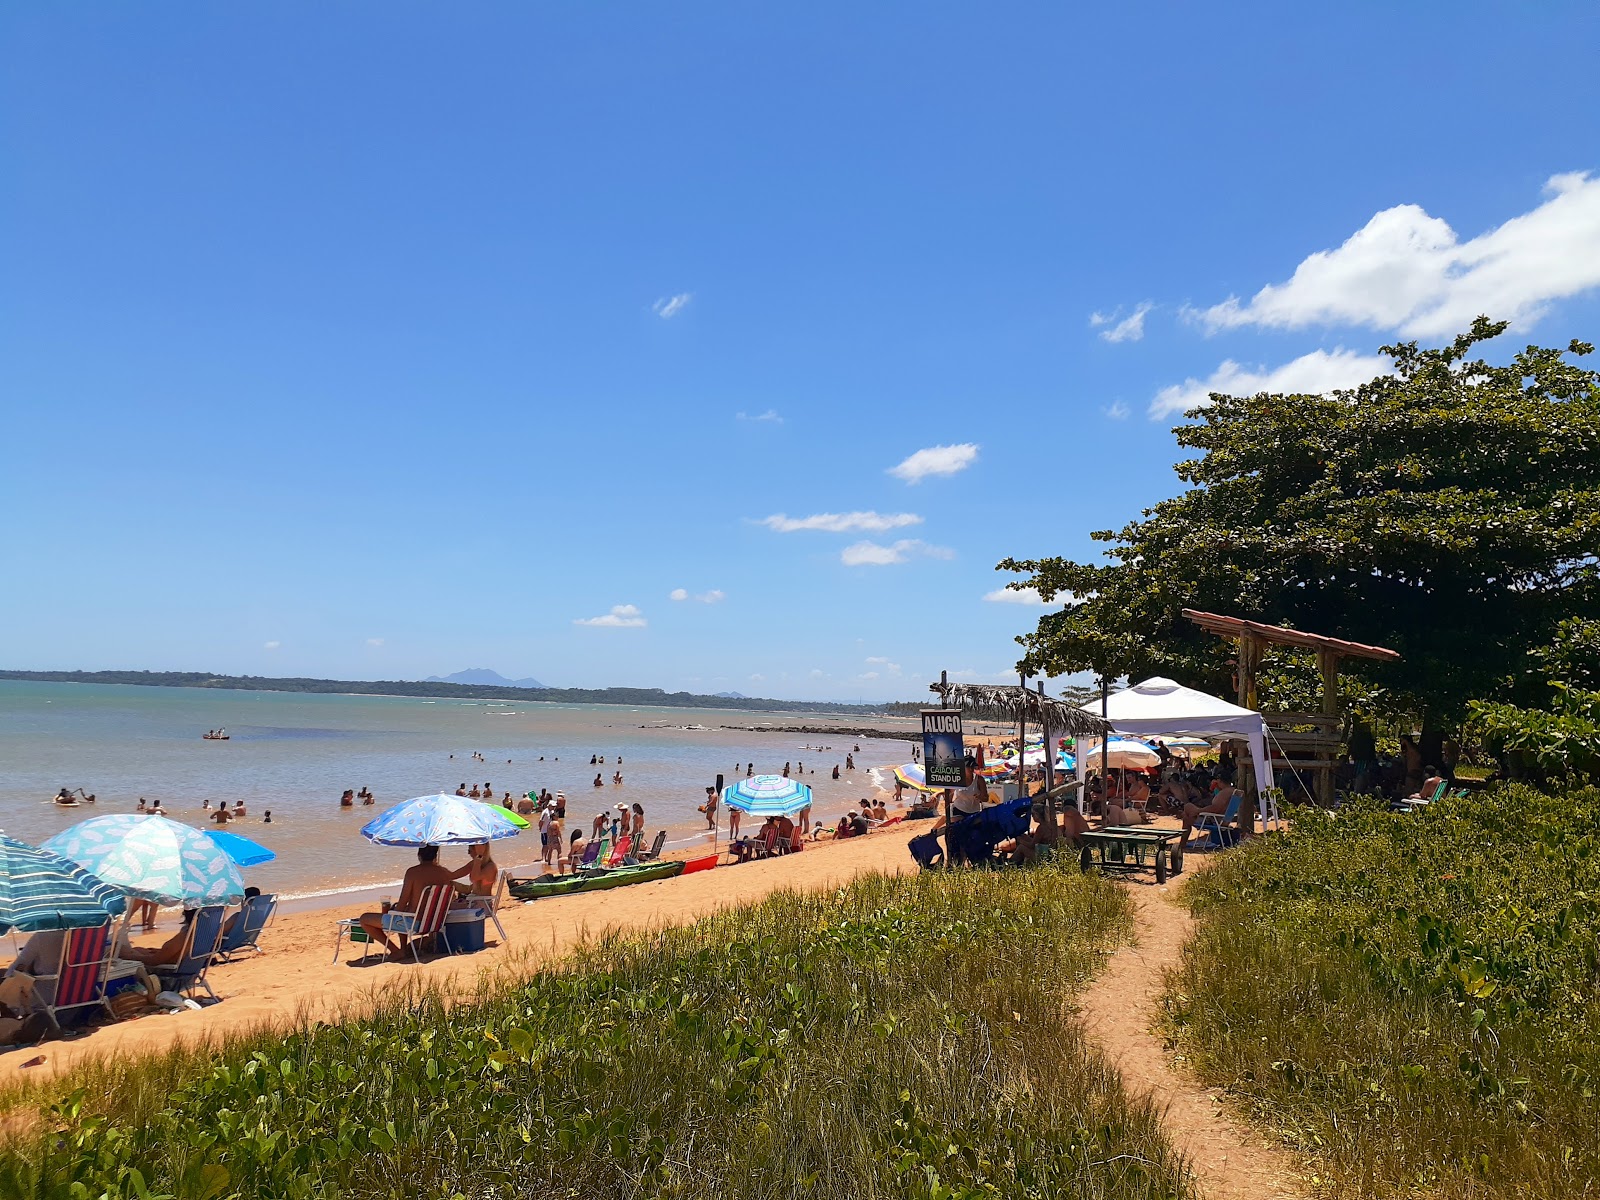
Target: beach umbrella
39	889
438	821
152	858
768	796
516	819
912	775
1126	752
242	850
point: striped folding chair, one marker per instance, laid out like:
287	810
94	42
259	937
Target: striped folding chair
80	980
433	906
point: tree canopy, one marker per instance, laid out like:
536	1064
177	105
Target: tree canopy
1450	511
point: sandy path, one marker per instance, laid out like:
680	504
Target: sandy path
296	975
1120	1009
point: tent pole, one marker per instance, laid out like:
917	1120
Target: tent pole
1105	753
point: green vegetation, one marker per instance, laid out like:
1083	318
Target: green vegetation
462	691
1562	744
1412	998
1449	511
901	1037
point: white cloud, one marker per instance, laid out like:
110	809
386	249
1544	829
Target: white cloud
818	673
850	522
867	675
1116	411
771	416
621	616
270	645
1128	329
871	554
678	594
758	679
374	641
878	660
1316	372
714	596
1407	271
1029	596
670	306
936	460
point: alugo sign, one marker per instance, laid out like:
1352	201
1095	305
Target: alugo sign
943	751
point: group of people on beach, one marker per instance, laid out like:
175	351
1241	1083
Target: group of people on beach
474	884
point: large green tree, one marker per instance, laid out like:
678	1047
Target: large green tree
1450	511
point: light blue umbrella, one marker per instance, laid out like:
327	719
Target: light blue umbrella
438	821
767	796
152	858
241	849
39	889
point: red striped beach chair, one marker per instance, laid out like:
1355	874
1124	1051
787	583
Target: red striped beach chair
80	979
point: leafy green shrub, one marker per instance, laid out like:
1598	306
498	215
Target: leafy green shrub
1412	997
899	1037
1561	742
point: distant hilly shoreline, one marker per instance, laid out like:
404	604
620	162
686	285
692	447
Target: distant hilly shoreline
523	690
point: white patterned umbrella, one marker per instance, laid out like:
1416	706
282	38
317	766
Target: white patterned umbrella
152	858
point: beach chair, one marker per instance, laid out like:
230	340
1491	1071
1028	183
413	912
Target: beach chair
80	979
620	854
252	919
433	906
189	972
654	852
1220	825
489	906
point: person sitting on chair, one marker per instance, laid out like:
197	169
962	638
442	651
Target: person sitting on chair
250	893
427	873
1218	805
481	872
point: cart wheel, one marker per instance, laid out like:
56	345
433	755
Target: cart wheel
1086	859
1161	866
1177	861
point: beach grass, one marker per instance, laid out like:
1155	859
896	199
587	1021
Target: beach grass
1411	998
897	1037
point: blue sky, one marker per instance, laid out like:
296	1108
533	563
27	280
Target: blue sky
383	340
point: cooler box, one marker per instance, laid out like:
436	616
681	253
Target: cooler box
463	932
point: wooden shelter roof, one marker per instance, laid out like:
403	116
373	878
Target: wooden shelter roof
1279	635
1014	703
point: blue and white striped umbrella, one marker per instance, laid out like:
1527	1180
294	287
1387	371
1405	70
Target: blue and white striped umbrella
438	821
767	796
39	889
152	858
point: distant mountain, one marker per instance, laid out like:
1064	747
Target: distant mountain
484	677
730	695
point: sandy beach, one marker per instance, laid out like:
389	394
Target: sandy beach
296	977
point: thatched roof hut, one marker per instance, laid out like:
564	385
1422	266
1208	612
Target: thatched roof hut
1014	703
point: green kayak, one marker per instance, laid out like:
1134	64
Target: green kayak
593	881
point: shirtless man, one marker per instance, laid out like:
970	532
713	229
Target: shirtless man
1218	805
427	872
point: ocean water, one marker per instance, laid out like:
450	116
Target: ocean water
294	753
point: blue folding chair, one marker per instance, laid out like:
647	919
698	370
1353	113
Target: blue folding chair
189	972
247	926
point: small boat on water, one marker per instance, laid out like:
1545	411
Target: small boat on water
592	881
214	735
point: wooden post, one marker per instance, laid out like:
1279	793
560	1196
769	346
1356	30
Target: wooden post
944	702
1049	821
1328	665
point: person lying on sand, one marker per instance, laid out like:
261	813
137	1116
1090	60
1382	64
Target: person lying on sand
379	925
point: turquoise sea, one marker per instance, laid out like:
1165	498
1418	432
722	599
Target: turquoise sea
294	753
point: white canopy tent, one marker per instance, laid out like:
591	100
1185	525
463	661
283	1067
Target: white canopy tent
1160	706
